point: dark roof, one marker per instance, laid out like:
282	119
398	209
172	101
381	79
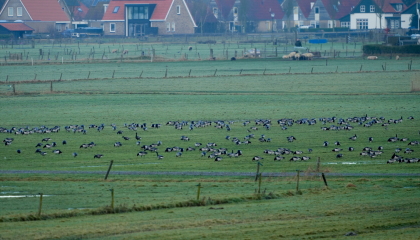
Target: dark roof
79	12
95	12
196	13
225	6
388	8
410	9
262	9
14	27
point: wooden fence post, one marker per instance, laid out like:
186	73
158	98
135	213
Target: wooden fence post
40	204
325	180
14	90
51	87
318	161
109	169
215	72
113	74
189	74
198	192
259	183
297	183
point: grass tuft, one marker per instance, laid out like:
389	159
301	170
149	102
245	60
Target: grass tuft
350	185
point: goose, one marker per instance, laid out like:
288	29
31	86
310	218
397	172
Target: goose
413	143
54	144
203	153
178	154
8	140
75	154
295	159
120	132
370	139
380	148
117	144
410	118
257	158
38	150
18	151
367	149
309	150
247	142
351	149
198	144
47	146
393	139
141	154
336	150
57	151
7	143
391	161
227	137
126	138
137	137
397	150
408	150
297	152
98	156
218	159
353	137
339	155
278	158
404	139
159	143
325	144
91	144
159	156
39	145
64	142
363	154
138	143
190	149
305	158
337	143
43	153
46	139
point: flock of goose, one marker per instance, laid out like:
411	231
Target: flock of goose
210	150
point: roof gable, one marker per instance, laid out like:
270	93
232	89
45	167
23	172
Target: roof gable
45	10
16	27
225	6
80	11
305	7
160	12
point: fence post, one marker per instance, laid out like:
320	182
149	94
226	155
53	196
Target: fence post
35	77
318	161
215	72
109	169
7	78
259	184
166	73
198	192
40	204
51	87
60	76
141	74
88	75
14	90
325	180
189	74
297	183
112	198
113	74
211	53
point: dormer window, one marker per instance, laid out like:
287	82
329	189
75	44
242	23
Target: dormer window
215	10
316	10
235	11
398	7
372	8
362	8
116	9
178	9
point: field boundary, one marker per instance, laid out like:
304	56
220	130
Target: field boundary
244	174
205	76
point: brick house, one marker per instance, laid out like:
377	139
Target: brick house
141	17
43	16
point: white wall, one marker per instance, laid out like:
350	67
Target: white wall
373	20
405	20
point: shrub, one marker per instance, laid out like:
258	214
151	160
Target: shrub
6	36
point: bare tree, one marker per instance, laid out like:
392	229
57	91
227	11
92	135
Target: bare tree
244	8
380	11
287	6
332	9
200	10
72	5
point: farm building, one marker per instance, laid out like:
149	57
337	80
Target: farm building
42	16
17	29
140	17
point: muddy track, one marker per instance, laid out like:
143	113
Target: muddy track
244	174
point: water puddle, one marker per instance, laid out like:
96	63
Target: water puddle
355	163
23	196
115	165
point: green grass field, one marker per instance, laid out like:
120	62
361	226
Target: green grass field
382	207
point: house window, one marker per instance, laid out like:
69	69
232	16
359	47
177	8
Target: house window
394	23
398	7
295	10
105	7
173	27
112	27
372	8
235	11
178	9
19	12
345	24
138	12
361	23
10	11
313	23
316	10
362	8
215	11
116	9
58	26
168	27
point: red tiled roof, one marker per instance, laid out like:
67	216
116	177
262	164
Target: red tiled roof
305	6
225	6
45	10
260	10
16	27
77	15
160	12
388	8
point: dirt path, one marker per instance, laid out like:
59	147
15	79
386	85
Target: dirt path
282	174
